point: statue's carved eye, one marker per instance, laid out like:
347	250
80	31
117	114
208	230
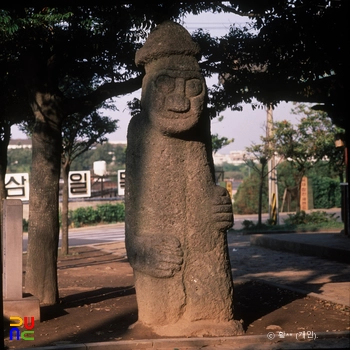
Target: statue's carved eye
193	87
165	84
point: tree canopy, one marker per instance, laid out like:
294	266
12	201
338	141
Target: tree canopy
294	51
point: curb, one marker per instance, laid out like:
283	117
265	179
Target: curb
324	340
304	248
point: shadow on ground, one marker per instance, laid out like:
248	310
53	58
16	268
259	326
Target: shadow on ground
98	301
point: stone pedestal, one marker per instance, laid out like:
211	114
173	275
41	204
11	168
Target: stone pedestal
25	307
12	242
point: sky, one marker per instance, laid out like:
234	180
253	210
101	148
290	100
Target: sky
244	127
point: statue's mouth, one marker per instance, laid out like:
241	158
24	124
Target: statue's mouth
172	115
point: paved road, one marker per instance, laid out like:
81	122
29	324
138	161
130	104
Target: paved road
91	235
116	232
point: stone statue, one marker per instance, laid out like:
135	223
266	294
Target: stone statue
176	216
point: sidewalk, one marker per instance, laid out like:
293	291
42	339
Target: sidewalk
275	291
333	246
330	280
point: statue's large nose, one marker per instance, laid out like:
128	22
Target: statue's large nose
177	100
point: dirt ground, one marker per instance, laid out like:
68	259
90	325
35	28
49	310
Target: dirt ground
98	302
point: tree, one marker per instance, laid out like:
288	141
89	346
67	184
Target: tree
114	155
19	160
119	158
287	187
219	142
79	134
257	159
304	144
45	50
293	51
246	198
5	133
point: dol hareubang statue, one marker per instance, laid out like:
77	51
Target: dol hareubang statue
176	216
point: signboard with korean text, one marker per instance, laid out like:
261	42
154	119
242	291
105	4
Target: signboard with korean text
79	184
121	182
17	186
306	195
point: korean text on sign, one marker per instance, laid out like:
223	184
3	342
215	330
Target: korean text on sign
79	184
17	186
121	182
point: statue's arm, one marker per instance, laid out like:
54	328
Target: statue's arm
155	255
222	214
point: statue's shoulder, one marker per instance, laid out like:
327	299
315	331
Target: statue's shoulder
137	122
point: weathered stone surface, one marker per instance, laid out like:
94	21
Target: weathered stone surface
12	248
176	216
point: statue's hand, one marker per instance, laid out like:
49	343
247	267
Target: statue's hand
158	256
166	256
221	209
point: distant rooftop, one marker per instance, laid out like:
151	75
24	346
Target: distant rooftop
234	157
20	143
27	143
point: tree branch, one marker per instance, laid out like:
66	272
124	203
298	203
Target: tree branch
88	103
238	13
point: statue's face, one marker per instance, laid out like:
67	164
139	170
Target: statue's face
173	99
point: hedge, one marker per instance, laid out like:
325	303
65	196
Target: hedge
103	213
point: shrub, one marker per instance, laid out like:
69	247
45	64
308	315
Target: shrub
314	218
120	208
247	224
111	212
25	224
326	192
246	200
84	216
106	213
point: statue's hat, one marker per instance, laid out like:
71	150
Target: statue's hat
167	39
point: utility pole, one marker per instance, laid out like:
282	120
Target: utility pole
272	173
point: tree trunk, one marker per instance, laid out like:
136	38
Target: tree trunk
4	141
261	189
43	230
65	207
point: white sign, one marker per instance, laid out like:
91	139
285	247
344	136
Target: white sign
17	186
79	184
100	168
121	182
